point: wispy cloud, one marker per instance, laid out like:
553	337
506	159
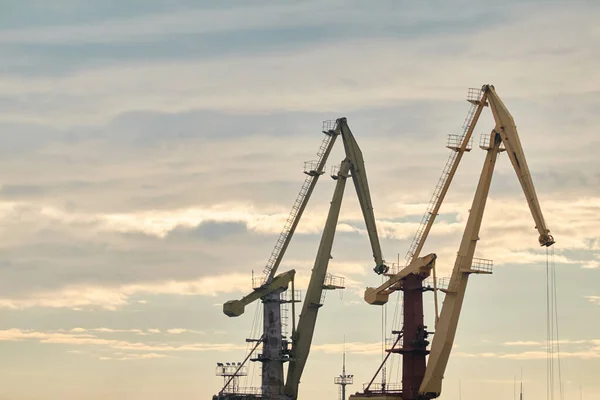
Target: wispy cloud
593	299
133	356
151	27
532	355
218	84
350	347
113	297
578	349
86	339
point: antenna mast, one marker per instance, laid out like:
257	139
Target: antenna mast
343	379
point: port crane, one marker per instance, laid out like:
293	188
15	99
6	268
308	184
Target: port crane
421	378
275	349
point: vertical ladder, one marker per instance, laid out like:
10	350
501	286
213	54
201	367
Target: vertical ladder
284	317
475	97
313	169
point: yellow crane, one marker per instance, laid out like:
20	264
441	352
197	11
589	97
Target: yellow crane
504	133
422	380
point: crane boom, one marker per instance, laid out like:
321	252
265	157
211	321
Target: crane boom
291	223
380	295
359	177
448	322
505	132
312	300
506	128
235	308
446	179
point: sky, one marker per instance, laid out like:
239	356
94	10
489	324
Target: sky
150	152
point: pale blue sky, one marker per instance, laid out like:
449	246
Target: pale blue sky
151	150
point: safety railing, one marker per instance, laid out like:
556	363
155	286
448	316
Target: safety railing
335	170
311	167
389	343
231	369
474	94
334	282
482	265
442	283
383	388
485	142
253	391
455	141
344	380
329	125
286	297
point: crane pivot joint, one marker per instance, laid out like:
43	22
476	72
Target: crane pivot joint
546	240
381	269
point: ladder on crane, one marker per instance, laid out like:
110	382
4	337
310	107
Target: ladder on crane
458	144
313	169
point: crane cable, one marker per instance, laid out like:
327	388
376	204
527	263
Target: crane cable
552	330
397	325
549	358
560	381
254	332
383	330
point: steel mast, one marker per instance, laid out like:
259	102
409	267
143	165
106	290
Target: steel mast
344	379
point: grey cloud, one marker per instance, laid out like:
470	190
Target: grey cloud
146	160
191	32
212	231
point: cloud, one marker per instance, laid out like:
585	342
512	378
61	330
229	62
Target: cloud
133	356
77	339
113	297
532	355
578	349
178	331
150	27
173	331
533	343
109	330
217	84
513	243
351	347
592	264
593	299
146	356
